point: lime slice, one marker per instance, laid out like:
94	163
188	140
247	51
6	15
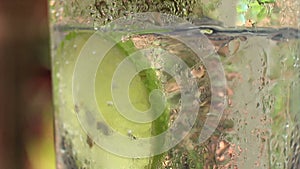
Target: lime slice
76	147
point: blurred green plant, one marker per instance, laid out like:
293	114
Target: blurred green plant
254	10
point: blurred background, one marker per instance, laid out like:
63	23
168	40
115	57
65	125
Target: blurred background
26	126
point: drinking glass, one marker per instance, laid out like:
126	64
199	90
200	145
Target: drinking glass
176	84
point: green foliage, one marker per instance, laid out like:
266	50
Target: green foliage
256	10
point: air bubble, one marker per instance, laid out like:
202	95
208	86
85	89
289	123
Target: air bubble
109	103
129	131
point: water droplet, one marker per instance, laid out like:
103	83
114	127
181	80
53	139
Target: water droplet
94	52
75	46
287	125
129	131
130	134
109	103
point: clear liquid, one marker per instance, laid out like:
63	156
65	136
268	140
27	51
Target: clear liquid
257	129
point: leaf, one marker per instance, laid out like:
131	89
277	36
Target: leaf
262	14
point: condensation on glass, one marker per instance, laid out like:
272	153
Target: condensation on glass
260	125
